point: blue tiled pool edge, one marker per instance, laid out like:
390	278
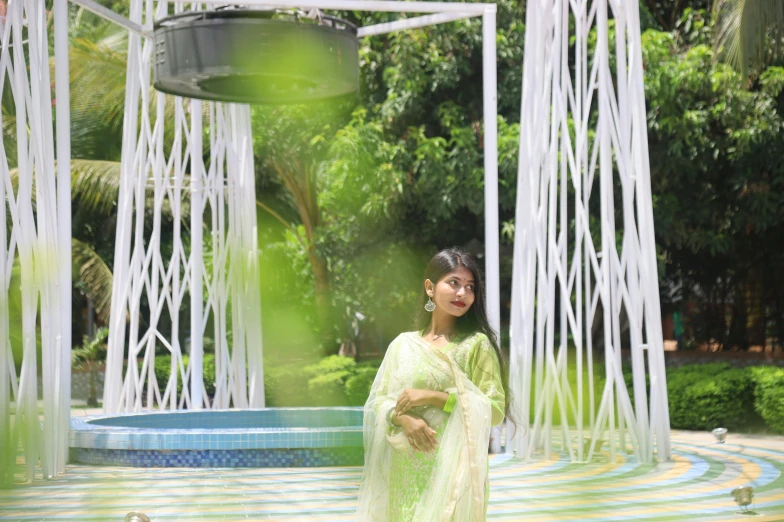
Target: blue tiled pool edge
273	437
254	458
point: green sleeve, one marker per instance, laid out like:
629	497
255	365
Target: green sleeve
484	371
450	403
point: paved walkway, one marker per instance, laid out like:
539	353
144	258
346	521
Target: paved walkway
695	486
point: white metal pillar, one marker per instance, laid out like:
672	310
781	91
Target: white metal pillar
490	95
63	154
122	246
197	258
39	242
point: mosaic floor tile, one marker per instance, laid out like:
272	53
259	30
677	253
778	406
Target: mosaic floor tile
694	486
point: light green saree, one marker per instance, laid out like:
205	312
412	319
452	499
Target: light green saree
400	484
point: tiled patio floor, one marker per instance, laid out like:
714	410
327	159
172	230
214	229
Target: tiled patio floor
695	486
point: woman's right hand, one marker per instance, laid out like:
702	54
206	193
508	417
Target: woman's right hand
420	435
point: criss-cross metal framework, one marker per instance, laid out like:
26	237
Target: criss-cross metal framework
208	187
149	287
581	265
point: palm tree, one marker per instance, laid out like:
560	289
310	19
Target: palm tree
291	141
298	177
749	33
88	355
98	58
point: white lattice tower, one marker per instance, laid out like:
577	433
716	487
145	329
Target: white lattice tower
583	148
36	244
208	188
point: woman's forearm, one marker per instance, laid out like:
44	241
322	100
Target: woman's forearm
433	398
412	398
438	399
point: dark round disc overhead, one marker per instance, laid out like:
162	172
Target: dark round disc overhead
252	56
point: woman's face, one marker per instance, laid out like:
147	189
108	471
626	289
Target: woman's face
454	292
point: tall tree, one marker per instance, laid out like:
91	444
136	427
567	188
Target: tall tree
716	180
409	165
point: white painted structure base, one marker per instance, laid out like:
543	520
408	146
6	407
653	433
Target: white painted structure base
578	271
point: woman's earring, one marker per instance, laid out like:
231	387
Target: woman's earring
430	305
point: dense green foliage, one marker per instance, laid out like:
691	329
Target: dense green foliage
415	152
396	179
718	187
355	196
701	396
87	357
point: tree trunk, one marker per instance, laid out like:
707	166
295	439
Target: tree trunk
775	292
299	178
756	313
323	302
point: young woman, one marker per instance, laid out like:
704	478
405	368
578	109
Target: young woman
437	394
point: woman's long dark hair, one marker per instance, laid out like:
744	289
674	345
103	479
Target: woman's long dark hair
475	321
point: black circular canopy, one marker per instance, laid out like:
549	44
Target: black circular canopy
256	56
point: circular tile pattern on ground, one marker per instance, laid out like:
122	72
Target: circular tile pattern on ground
696	485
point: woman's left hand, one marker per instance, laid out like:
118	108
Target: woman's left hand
411	398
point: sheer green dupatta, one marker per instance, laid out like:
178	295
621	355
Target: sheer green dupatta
374	488
456	489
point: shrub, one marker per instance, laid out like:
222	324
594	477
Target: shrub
208	372
329	389
337	380
332	381
704	397
285	386
163	370
628	377
769	395
330	364
327	380
358	385
701	370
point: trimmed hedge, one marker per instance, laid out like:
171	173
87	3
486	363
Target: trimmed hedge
707	396
769	395
704	397
701	396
